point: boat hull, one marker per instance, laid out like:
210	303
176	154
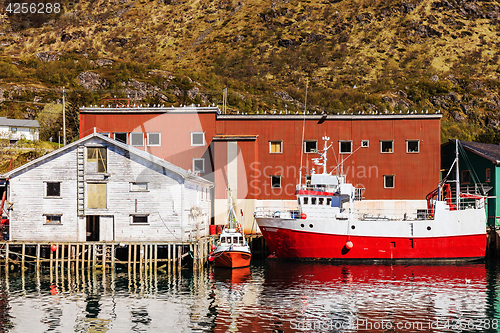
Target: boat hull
287	243
232	259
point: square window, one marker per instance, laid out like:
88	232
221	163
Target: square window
275	181
52	219
275	147
13	129
53	189
137	139
306	200
388	181
412	146
465	176
140	219
345	147
197	138
313	201
153	139
97	159
199	165
488	175
310	146
365	143
96	195
121	137
386	146
138	187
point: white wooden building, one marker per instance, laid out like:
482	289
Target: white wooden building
99	189
19	129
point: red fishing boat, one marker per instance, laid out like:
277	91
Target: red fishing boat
327	225
232	249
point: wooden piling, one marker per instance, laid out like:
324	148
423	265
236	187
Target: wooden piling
94	256
23	254
104	257
113	256
129	251
38	256
156	257
7	258
179	255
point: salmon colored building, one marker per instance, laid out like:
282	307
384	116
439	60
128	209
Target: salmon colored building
394	159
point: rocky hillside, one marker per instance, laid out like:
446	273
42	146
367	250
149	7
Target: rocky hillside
371	56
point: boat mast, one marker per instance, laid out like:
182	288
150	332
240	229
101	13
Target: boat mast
324	154
457	172
303	130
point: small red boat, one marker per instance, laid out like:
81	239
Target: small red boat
232	250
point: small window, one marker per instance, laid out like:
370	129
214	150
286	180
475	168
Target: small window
138	187
154	139
105	134
310	146
13	129
345	147
386	146
199	165
197	138
488	175
313	201
53	189
137	139
320	201
306	200
276	181
275	147
97	159
52	219
140	219
465	176
412	146
328	201
388	181
365	143
121	137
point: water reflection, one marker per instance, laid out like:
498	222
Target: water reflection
269	296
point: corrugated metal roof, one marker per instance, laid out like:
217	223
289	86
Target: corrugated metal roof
150	157
486	150
4	121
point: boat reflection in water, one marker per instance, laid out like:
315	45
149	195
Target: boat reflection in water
268	296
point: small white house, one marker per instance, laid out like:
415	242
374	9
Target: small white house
19	129
99	189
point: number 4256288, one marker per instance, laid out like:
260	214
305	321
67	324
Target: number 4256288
33	8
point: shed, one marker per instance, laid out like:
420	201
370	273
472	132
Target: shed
99	189
19	129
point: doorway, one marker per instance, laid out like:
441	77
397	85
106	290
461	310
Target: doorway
92	228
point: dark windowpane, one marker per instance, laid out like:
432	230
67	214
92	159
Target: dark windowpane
53	189
121	137
345	147
53	219
311	146
387	146
275	181
465	176
389	181
140	219
413	146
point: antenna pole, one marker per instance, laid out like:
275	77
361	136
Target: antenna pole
457	172
303	129
64	119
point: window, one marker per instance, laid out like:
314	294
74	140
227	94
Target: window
328	201
313	201
97	159
53	189
365	143
13	129
197	138
96	195
320	201
386	146
199	165
306	200
345	147
140	218
488	175
121	137
53	219
388	181
275	181
137	139
275	147
465	176
105	134
154	139
412	146
310	146
138	187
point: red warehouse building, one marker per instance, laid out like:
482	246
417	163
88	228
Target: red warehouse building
395	158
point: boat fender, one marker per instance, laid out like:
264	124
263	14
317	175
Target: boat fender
53	247
210	258
349	244
212	247
303	216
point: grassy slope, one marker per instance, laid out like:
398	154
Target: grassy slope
357	55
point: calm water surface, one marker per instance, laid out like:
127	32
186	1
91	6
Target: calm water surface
270	296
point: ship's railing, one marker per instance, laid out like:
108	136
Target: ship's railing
392	215
270	212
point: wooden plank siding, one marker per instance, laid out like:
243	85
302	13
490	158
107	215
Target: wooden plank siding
176	206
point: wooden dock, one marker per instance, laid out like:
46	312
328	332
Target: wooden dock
140	256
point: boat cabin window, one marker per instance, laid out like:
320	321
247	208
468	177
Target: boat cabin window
240	240
306	200
223	239
320	201
313	201
328	201
298	200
